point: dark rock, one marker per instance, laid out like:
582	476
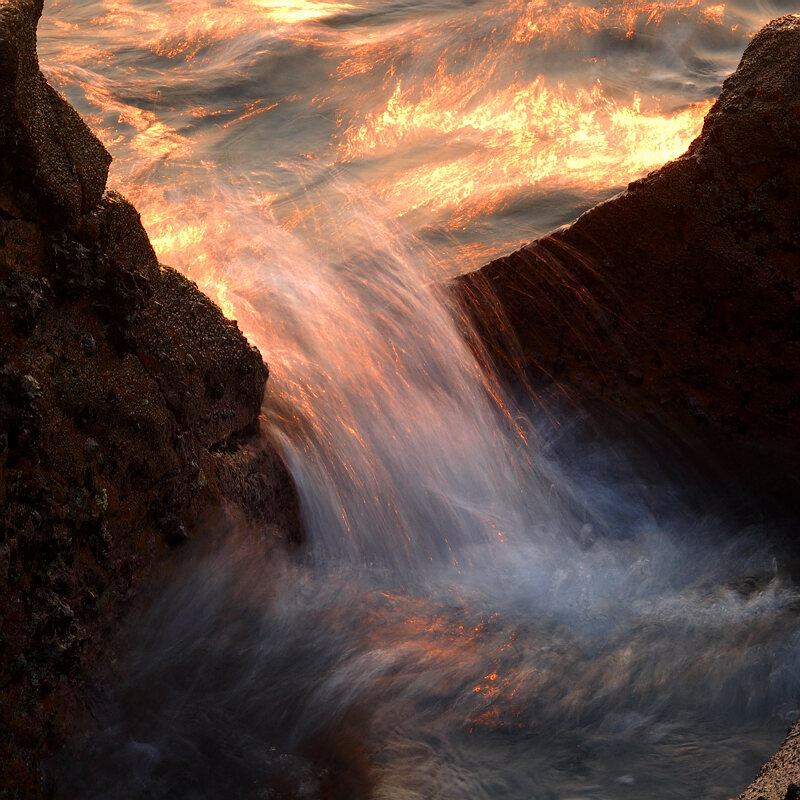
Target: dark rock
173	531
692	274
129	412
792	792
24	296
52	167
635	377
90	448
221	395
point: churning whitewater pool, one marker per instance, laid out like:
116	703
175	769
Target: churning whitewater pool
609	644
491	603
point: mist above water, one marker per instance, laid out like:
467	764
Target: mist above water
492	602
612	650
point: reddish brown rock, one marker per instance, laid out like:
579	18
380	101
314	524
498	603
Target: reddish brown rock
679	298
129	411
52	167
778	777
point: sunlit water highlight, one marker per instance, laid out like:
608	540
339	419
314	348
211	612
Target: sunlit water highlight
484	609
479	124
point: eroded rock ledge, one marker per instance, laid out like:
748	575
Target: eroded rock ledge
679	298
129	409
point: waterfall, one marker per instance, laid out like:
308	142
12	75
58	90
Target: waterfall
483	610
400	453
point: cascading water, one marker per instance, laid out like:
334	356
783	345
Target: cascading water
484	610
458	630
394	441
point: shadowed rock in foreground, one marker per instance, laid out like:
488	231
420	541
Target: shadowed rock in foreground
129	410
679	298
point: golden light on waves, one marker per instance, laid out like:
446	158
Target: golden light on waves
299	10
446	119
517	137
543	19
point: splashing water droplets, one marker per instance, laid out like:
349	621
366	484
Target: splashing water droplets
377	399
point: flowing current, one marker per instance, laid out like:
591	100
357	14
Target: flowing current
494	601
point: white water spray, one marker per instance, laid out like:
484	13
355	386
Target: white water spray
462	630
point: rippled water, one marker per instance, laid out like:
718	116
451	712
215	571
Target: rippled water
479	124
493	603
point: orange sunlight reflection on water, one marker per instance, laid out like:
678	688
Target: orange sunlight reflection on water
436	117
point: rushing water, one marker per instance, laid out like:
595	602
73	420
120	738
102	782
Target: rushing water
492	604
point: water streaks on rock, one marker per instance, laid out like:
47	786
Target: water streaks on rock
679	298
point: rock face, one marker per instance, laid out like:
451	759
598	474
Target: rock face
45	144
679	298
779	777
129	409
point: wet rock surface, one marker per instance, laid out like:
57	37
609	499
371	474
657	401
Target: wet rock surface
52	167
780	776
680	298
129	412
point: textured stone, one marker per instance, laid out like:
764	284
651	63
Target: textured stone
679	298
212	385
52	166
129	412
